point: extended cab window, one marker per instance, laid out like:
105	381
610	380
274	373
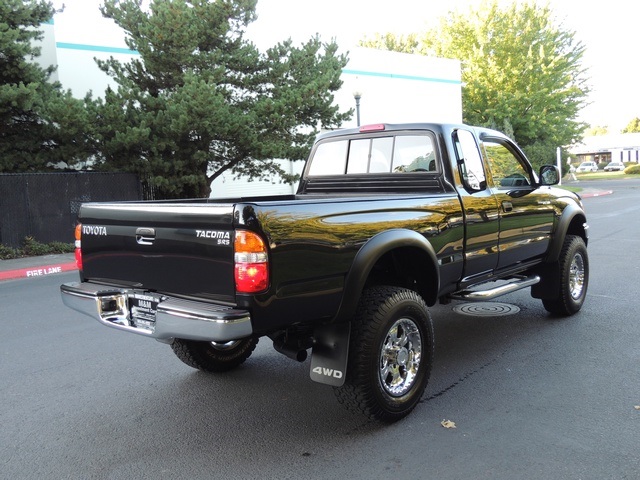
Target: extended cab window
506	168
469	161
382	154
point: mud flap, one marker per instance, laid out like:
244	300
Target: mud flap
330	354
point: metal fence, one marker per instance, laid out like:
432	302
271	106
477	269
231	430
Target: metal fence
45	205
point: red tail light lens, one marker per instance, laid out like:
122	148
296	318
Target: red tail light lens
251	262
78	245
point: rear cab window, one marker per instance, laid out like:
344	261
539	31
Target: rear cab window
393	154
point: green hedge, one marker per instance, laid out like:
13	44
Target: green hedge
632	170
33	248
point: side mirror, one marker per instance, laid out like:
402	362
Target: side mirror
549	175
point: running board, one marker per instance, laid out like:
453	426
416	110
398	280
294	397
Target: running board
519	283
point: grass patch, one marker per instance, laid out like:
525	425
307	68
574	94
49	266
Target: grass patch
32	248
572	188
601	175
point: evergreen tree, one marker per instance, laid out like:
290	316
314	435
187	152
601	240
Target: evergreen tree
31	135
201	100
520	71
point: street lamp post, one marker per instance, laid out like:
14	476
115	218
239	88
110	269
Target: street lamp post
357	95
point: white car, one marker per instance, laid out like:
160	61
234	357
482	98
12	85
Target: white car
587	167
614	166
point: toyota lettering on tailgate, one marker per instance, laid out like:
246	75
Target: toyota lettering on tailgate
93	230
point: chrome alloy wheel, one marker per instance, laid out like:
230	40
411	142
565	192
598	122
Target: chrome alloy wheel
576	276
400	357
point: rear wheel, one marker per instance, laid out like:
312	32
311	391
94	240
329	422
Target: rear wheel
573	268
214	356
390	354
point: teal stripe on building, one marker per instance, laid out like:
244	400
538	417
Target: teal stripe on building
400	76
95	48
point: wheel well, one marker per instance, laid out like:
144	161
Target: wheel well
576	227
407	267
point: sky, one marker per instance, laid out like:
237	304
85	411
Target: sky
608	30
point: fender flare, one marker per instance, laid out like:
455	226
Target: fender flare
570	214
367	257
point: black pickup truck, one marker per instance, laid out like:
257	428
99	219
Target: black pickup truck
387	220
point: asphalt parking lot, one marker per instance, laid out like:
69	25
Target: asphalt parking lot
531	395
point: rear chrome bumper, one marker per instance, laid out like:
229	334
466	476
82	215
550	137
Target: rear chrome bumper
174	317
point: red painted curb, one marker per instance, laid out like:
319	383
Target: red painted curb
38	271
597	194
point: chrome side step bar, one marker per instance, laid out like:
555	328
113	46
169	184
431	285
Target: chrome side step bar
517	284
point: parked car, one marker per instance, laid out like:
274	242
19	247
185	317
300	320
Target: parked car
614	167
587	167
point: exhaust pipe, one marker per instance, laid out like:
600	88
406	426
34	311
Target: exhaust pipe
291	350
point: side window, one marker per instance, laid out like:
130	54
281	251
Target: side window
469	161
506	169
414	153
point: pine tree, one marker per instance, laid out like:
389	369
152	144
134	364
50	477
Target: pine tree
201	100
38	121
24	86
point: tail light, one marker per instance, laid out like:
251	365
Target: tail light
78	245
251	262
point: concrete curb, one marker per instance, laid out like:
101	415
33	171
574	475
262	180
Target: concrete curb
596	194
38	271
39	266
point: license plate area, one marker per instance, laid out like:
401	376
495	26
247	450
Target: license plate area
142	308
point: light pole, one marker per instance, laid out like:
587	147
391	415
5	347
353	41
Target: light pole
357	95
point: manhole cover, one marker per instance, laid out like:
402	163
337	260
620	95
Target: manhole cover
486	309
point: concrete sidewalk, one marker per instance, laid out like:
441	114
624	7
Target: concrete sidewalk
32	267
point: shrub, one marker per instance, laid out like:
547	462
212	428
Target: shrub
31	247
7	252
632	170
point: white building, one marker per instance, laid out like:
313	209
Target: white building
602	149
393	87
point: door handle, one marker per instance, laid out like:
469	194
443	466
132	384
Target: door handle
507	206
145	236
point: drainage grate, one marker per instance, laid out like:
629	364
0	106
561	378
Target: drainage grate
486	309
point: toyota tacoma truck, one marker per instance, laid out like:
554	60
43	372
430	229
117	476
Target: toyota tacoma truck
387	221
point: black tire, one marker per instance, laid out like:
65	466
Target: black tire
573	269
212	356
390	354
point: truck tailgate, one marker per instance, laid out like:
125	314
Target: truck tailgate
174	248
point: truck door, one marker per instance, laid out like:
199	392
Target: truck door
482	221
526	217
